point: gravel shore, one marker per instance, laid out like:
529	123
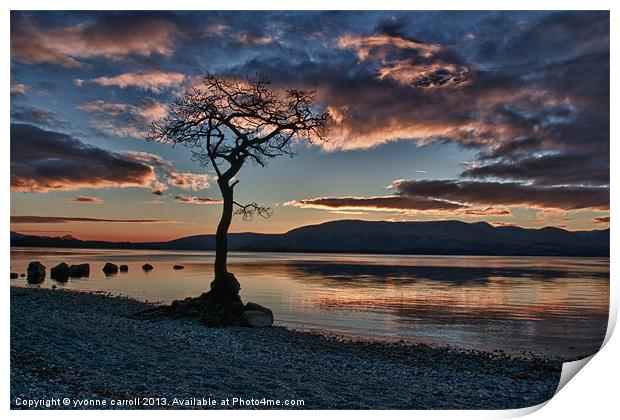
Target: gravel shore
87	346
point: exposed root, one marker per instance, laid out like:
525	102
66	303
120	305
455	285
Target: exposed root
219	307
210	311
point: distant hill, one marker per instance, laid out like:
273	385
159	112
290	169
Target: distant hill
441	237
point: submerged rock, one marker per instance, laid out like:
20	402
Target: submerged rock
124	268
110	268
14	275
36	272
147	267
60	272
178	267
79	270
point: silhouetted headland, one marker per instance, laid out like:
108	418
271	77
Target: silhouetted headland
357	236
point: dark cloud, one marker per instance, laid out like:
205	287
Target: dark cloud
44	160
111	36
387	203
58	219
528	92
39	116
543	37
547	169
506	193
488	211
86	199
516	147
466	197
510	85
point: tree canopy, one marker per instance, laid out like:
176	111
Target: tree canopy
228	122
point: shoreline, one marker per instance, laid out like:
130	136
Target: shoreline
86	345
318	252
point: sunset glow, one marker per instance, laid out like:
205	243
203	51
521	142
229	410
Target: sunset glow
472	116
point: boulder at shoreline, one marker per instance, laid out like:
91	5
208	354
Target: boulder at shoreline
147	267
79	270
257	315
36	272
124	268
110	269
60	272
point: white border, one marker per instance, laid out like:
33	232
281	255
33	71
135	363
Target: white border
592	394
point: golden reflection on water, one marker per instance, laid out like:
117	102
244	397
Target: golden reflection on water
549	305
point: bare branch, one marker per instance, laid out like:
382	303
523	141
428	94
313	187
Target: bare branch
248	211
227	121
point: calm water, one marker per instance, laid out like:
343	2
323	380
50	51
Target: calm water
548	305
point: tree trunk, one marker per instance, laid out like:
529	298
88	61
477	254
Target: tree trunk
225	286
221	237
222	305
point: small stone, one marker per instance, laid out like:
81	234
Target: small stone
178	267
14	275
53	286
124	268
147	267
110	269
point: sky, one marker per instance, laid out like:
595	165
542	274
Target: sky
500	117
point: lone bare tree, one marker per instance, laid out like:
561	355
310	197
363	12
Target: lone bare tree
226	123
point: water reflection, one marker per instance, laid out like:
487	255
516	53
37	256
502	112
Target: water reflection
555	306
353	274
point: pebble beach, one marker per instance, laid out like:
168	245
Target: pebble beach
89	347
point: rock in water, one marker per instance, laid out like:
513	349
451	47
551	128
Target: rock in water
178	267
60	272
79	270
36	272
14	275
124	268
257	319
110	268
147	267
251	306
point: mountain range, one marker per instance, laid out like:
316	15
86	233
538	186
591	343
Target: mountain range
357	236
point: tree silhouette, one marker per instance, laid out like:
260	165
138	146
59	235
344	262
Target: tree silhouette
226	123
